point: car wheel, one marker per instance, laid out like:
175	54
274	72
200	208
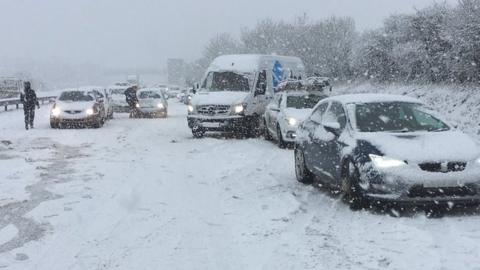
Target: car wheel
98	123
198	132
280	141
302	173
266	132
352	192
53	124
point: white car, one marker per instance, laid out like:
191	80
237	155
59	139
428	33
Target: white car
284	114
117	93
101	94
74	108
151	103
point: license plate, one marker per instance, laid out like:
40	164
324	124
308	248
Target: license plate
211	125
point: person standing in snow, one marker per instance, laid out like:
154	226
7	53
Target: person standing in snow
132	100
29	101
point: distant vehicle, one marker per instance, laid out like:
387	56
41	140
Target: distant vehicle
318	84
286	112
386	149
174	91
77	108
103	96
236	90
119	103
186	96
151	103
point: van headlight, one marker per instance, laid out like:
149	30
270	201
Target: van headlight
160	106
238	108
292	121
382	162
190	108
90	111
56	111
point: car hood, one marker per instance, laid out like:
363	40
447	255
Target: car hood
77	106
299	114
424	146
219	98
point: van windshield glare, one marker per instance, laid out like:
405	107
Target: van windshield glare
227	81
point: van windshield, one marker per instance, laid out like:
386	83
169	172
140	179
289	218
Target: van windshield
227	81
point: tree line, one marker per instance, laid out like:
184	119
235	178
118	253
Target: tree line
440	43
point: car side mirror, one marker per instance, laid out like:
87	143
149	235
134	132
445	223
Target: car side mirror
332	127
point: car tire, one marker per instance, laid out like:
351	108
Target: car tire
352	192
281	143
302	173
198	132
266	132
54	125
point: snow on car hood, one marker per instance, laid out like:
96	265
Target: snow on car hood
219	98
299	114
425	146
76	106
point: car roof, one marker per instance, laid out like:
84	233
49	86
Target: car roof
301	93
372	98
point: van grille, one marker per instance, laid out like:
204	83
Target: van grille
427	192
444	167
212	110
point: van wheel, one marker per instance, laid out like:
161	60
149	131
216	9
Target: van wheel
352	192
266	132
281	143
198	132
302	173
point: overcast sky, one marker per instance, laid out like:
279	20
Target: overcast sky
143	33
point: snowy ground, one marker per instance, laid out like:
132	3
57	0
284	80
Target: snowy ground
142	194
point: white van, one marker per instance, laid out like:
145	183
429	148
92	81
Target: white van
235	91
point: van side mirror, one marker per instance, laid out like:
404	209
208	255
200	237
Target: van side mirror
261	89
332	127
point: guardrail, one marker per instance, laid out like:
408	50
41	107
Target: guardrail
6	103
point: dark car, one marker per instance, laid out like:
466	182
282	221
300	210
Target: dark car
388	150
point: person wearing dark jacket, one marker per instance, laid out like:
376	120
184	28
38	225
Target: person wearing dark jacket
29	101
131	98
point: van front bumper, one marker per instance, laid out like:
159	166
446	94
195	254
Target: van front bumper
219	124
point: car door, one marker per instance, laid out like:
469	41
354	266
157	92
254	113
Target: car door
272	112
310	126
330	147
259	100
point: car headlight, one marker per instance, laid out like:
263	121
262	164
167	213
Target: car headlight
56	111
190	108
238	109
381	162
137	105
292	121
477	161
160	105
90	111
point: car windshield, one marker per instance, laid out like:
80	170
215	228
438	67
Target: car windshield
303	102
149	95
396	117
227	81
75	96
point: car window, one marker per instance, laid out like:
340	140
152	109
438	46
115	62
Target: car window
336	113
317	115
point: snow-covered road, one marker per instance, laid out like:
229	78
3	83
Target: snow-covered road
142	194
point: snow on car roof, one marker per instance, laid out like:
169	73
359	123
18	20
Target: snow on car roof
245	62
372	98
